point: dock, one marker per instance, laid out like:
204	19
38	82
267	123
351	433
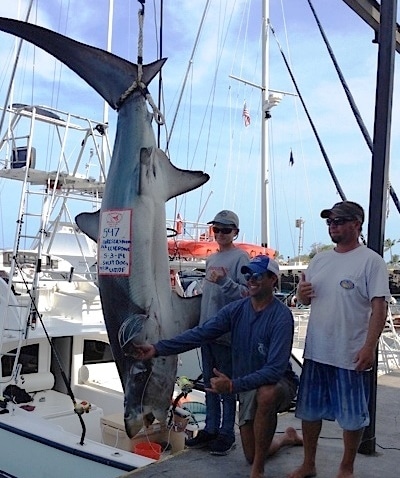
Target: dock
384	463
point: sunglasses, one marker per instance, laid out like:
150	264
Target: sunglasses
255	276
222	230
339	221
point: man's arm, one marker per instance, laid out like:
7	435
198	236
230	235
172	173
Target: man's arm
188	340
366	356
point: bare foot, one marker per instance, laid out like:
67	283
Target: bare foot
292	437
257	474
343	473
289	438
303	472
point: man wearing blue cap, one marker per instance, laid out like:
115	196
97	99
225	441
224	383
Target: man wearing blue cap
261	330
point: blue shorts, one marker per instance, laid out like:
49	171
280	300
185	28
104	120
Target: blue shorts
332	393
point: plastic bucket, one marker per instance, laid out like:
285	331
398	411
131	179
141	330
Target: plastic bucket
149	449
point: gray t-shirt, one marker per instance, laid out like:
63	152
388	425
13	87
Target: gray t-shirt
231	287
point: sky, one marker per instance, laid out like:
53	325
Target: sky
209	132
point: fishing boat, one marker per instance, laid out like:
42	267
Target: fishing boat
53	338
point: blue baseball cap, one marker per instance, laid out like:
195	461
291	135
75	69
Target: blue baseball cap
261	264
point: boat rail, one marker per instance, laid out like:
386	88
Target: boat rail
49	156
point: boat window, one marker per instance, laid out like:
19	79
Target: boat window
95	351
28	358
26	258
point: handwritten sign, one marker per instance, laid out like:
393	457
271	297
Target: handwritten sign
115	242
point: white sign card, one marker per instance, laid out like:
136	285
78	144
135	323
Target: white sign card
115	242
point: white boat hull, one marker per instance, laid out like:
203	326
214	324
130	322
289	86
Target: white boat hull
52	451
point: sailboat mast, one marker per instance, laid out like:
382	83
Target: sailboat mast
264	126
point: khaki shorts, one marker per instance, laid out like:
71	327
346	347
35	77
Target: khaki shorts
248	402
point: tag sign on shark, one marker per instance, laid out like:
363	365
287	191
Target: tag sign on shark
115	242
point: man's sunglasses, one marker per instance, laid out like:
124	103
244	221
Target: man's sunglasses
339	221
222	230
255	276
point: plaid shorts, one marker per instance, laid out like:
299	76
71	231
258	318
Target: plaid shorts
332	393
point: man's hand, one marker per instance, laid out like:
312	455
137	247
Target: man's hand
305	291
221	383
216	275
365	358
144	351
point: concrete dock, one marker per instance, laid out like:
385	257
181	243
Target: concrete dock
384	463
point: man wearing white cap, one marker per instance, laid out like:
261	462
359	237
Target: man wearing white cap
261	330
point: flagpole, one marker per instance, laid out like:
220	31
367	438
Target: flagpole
264	126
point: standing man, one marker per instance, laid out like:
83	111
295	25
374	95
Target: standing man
348	289
261	330
224	283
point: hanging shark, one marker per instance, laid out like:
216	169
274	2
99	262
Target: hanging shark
130	227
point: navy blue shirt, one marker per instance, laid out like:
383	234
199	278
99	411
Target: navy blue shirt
261	342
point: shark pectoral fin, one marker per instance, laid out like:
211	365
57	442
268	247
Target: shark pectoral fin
88	222
187	309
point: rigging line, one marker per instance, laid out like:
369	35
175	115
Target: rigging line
229	97
300	141
213	89
212	100
242	40
160	53
189	67
212	92
350	99
56	85
17	55
325	156
185	141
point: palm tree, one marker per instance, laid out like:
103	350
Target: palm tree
388	244
395	259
